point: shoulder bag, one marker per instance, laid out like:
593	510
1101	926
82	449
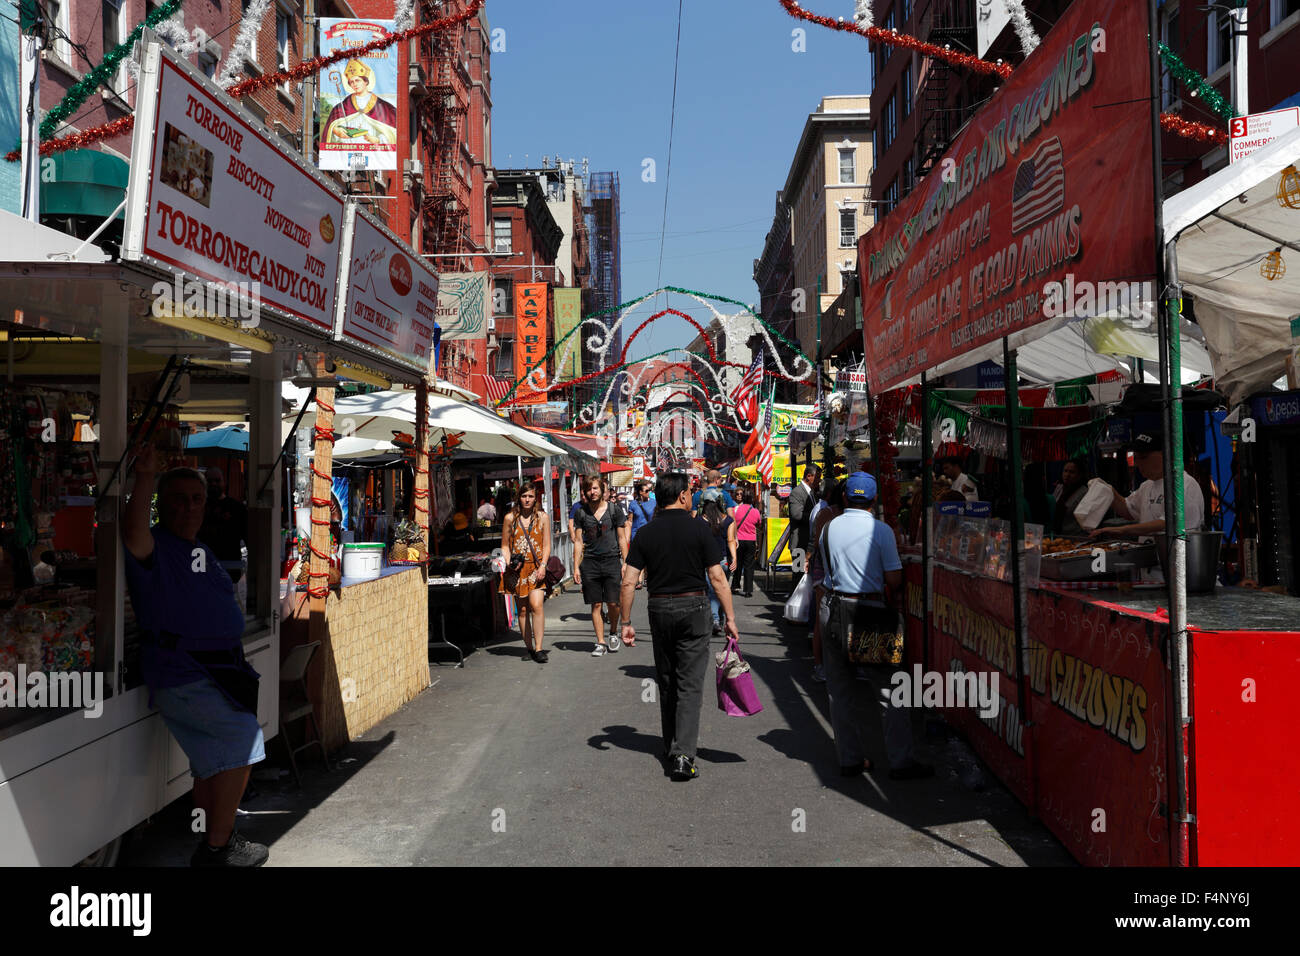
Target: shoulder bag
871	635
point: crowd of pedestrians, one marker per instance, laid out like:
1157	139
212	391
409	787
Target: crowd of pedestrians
692	549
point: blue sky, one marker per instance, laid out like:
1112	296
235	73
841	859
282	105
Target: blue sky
594	78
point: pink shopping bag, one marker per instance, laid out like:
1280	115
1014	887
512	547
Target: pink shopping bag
736	694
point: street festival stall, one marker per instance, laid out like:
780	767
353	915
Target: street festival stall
1137	738
378	425
115	351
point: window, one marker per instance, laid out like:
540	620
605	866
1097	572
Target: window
880	51
909	175
503	298
505	365
891	197
889	124
149	7
283	30
57	11
251	58
501	236
1219	28
208	63
1281	9
848	174
1170	37
848	229
112	22
904	12
905	91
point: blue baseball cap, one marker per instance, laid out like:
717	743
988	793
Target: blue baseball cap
861	487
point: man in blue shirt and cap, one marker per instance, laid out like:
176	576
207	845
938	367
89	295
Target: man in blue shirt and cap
863	576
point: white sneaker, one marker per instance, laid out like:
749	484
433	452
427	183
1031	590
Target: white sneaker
599	650
615	642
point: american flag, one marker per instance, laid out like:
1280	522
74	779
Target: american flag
1039	190
765	441
746	393
497	388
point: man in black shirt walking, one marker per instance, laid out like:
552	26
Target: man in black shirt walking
681	557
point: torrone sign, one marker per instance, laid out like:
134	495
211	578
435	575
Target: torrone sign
1052	177
212	195
390	294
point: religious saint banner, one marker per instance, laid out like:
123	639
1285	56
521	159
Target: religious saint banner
357	98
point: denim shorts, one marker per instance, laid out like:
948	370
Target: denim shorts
214	733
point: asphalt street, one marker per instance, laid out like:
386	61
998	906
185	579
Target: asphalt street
506	762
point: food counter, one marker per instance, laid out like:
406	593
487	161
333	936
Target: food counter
1084	730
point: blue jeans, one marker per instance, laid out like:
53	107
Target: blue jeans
715	606
214	733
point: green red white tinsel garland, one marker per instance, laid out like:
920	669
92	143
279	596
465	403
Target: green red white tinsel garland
1171	122
1196	84
300	72
103	73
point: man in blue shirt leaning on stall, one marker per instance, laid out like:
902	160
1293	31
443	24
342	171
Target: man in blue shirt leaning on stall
192	655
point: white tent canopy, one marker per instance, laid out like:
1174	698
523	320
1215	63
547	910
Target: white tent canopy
375	418
1224	226
1093	346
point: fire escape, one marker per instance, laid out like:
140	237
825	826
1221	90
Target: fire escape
945	23
442	132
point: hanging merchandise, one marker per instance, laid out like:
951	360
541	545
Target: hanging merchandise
1046	434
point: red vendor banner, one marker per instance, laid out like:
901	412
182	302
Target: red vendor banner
1042	209
1102	713
973	633
530	341
1092	753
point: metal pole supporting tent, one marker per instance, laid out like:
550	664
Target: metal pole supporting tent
1245	319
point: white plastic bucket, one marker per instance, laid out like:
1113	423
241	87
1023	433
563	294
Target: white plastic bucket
362	562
